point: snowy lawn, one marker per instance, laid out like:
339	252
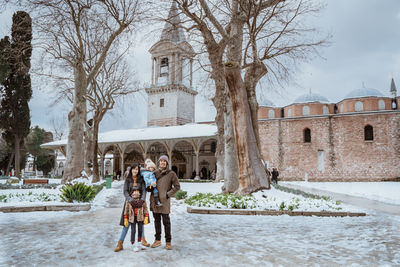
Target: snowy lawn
42	196
388	192
208	196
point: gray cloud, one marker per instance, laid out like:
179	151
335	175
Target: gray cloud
365	48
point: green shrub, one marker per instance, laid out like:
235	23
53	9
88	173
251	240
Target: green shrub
282	206
180	194
78	192
3	198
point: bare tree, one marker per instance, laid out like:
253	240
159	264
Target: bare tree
67	28
114	80
259	37
58	127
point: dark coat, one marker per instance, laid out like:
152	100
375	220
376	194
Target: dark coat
167	184
128	190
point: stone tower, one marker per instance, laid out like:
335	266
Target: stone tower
170	96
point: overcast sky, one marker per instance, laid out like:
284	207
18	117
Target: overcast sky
365	49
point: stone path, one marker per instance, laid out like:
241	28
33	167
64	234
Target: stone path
88	239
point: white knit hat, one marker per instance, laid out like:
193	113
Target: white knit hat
150	164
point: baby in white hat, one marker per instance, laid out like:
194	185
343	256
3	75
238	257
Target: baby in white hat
150	179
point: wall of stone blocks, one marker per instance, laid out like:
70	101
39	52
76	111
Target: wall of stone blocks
346	155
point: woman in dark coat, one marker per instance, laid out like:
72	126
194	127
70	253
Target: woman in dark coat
134	182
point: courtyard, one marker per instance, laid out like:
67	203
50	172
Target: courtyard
88	238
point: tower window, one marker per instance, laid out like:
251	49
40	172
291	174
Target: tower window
164	67
307	135
368	133
161	102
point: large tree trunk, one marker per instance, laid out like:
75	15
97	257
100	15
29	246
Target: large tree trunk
17	162
76	121
252	176
88	139
218	102
251	78
96	176
231	182
10	162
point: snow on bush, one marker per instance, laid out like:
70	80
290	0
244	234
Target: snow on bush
261	201
29	197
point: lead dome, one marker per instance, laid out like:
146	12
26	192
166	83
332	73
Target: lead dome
364	92
311	97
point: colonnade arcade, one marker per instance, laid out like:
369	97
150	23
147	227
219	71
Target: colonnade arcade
189	158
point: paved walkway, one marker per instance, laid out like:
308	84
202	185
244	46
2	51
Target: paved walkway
88	239
362	202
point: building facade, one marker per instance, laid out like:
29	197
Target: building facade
356	139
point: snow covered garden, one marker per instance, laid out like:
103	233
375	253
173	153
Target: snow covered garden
89	237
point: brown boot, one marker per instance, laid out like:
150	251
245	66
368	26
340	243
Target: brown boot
156	243
119	246
168	246
144	242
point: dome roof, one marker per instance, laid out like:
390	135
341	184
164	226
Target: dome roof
363	92
265	103
311	97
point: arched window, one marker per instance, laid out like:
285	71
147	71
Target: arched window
271	114
359	106
307	135
381	104
368	133
325	110
61	165
164	67
306	111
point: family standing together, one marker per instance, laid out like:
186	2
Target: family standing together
162	183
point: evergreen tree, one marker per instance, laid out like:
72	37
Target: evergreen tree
16	90
43	159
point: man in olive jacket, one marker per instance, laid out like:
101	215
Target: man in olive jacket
167	186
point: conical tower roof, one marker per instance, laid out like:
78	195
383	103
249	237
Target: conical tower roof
172	31
393	87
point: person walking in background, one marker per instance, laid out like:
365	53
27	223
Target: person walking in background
275	175
168	185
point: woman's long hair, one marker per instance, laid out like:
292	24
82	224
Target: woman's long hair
139	177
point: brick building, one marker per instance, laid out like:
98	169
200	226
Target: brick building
356	139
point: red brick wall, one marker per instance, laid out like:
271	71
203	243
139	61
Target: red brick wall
346	155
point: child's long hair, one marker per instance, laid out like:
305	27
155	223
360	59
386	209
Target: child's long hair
139	177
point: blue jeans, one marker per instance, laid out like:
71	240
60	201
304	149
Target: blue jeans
125	231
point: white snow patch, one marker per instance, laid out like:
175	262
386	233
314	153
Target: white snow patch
388	192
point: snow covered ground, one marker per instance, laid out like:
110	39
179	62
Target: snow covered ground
88	238
388	192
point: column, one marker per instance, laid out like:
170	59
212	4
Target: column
157	66
170	69
102	167
170	159
122	164
152	70
197	165
191	72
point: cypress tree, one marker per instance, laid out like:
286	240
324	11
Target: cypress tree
16	89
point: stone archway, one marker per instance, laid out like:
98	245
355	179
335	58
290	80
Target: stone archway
207	159
155	150
183	159
133	154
